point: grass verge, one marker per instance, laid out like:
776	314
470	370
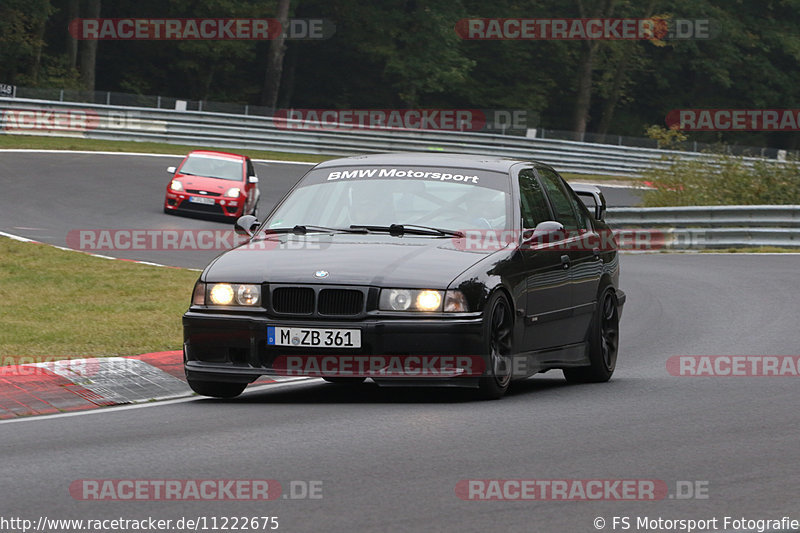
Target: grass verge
67	304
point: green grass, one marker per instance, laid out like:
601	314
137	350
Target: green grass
31	142
61	303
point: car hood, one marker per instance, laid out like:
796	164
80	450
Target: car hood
377	260
203	183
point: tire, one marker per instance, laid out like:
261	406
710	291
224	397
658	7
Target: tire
217	389
344	381
498	342
603	342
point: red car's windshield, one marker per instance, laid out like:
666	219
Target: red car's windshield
212	167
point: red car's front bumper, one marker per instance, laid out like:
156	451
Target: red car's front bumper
182	202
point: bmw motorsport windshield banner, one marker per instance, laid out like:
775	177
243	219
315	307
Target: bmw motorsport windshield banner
467	177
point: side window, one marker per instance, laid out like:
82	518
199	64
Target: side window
568	212
250	170
533	203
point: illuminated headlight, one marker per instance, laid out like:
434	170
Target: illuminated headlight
227	294
176	185
410	300
233	192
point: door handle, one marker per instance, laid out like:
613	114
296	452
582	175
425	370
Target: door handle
565	261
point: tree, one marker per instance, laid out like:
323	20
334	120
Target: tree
277	49
89	49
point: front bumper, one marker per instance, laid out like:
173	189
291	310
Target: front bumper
223	206
233	347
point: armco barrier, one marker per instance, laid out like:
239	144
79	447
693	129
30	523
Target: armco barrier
715	227
44	117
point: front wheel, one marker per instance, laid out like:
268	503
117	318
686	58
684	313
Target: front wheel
603	343
498	334
217	389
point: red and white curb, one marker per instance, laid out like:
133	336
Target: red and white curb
80	384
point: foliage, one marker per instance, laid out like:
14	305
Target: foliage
724	180
667	138
406	53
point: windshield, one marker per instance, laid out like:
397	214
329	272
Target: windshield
212	167
339	199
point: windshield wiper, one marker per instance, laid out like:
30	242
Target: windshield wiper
308	228
414	229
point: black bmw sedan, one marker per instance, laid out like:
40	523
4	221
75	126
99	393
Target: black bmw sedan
413	270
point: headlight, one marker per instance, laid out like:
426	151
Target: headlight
228	294
233	192
410	300
221	294
176	185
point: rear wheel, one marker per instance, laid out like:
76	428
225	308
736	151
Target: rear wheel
603	342
498	334
217	389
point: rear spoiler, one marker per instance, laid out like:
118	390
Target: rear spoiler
598	201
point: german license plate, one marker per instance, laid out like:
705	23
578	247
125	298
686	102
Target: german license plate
314	337
201	200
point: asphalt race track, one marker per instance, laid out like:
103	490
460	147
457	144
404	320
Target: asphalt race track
46	195
390	459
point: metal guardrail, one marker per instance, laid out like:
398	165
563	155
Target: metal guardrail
711	227
96	121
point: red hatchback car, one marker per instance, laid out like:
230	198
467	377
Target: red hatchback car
213	183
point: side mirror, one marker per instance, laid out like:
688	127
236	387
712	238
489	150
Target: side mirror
252	179
246	225
547	232
171	170
595	201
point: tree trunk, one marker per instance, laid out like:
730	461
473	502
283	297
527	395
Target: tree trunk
611	103
37	58
277	48
620	76
89	49
583	98
288	77
73	12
